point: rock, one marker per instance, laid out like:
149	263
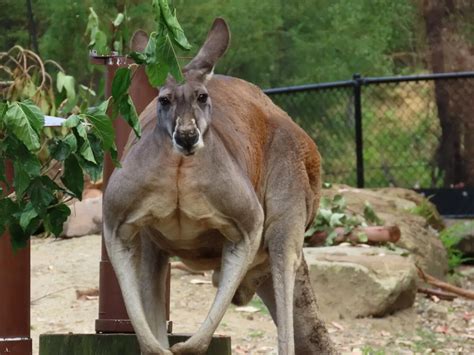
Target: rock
437	311
394	206
91	193
85	218
352	282
464	230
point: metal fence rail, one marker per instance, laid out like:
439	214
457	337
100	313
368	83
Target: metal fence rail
408	131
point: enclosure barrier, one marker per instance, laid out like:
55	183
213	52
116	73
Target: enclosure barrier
113	316
407	131
15	285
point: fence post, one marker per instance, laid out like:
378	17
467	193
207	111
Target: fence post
14	293
358	82
113	317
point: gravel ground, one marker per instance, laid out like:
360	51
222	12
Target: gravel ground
61	267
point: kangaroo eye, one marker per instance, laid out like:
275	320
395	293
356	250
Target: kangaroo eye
202	98
164	101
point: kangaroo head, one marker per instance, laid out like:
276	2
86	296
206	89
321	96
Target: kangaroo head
184	110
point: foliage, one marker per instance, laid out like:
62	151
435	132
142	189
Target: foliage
160	55
276	43
98	40
37	203
49	165
428	211
450	237
333	214
25	76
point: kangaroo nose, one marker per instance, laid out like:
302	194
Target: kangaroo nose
187	139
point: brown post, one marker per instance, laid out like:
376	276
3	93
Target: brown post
113	316
14	295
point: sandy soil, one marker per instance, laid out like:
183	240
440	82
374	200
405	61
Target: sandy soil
60	267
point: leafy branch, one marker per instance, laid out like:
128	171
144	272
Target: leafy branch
49	164
333	215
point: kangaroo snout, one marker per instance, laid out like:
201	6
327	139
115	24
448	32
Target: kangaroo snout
187	139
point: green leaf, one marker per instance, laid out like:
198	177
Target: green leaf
165	54
19	153
337	219
55	218
94	170
103	128
118	20
67	83
121	83
92	24
26	121
325	203
21	180
7	209
19	238
327	185
100	42
73	178
138	57
311	231
129	114
173	26
339	203
370	215
60	149
325	214
72	121
330	238
27	215
41	194
114	156
99	109
157	73
85	149
3	110
363	238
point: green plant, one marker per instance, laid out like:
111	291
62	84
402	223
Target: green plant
258	303
428	211
450	237
49	166
333	214
368	350
255	334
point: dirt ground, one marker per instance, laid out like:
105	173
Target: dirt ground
60	267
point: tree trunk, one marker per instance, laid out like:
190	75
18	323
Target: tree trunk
32	27
449	51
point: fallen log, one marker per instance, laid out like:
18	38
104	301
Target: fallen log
438	293
179	265
375	235
445	286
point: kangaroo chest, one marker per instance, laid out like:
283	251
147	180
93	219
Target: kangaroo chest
179	208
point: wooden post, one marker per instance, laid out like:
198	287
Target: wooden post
113	316
14	294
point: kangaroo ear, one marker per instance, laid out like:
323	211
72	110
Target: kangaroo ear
212	50
139	41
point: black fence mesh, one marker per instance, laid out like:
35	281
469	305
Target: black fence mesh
415	133
327	116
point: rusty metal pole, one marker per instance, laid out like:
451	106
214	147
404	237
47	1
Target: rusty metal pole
113	316
14	294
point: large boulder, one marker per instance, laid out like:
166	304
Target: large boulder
85	218
353	282
397	207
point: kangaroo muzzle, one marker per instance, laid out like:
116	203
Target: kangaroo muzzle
187	138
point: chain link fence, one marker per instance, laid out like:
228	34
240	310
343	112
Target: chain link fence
414	131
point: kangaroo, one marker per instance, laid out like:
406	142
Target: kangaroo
226	181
